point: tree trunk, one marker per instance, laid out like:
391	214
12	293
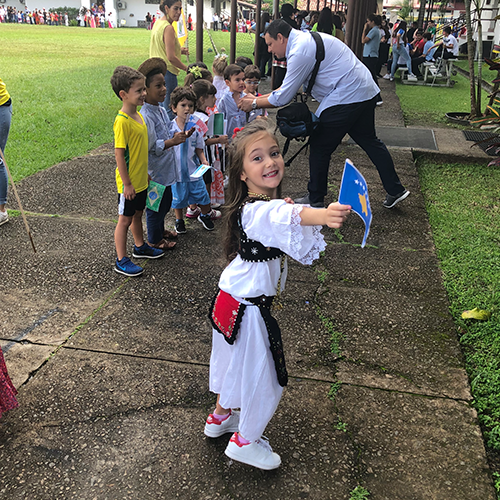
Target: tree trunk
470	55
421	13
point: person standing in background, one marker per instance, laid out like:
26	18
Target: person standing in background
371	43
165	44
5	120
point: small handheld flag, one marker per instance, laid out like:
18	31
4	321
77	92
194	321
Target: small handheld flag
354	192
155	195
200	171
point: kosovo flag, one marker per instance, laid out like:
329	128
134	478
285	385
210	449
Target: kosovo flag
354	192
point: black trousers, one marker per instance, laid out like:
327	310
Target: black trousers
371	64
357	120
415	63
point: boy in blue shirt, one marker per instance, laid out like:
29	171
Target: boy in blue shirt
189	155
162	167
131	153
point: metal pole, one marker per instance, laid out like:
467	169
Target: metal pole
258	30
199	30
234	13
308	5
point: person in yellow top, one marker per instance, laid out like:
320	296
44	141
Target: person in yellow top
165	44
5	119
131	153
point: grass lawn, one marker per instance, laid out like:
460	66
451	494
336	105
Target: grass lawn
488	75
427	106
463	203
58	78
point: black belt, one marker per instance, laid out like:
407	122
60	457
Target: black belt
8	103
264	304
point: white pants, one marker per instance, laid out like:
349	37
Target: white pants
244	374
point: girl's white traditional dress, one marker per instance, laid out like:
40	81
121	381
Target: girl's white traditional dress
244	373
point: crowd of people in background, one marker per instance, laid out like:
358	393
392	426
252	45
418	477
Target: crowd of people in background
95	17
37	16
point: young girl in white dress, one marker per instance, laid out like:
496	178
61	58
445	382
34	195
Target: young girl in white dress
247	365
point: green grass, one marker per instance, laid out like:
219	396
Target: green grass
463	203
427	106
58	78
487	74
359	493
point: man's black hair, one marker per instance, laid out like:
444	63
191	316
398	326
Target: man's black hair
286	10
278	26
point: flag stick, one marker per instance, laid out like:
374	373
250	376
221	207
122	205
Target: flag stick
18	200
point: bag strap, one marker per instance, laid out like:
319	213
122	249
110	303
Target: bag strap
320	55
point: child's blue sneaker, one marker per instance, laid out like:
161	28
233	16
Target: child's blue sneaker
127	267
147	252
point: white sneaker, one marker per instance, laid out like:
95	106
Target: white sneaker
387	76
215	205
215	214
215	429
4	217
193	214
412	78
257	454
379	103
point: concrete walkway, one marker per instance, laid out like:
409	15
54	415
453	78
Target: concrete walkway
113	372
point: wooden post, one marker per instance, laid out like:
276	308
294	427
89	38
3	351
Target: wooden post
199	30
258	30
234	14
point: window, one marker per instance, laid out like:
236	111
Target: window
212	4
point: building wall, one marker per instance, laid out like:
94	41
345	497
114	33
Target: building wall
139	9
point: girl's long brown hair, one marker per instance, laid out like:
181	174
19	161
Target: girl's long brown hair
237	190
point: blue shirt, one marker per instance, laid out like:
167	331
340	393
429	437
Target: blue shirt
161	162
427	46
236	118
370	48
342	78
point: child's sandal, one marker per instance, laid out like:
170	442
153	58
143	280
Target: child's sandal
164	245
172	235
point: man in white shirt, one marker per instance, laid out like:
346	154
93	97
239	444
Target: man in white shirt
347	95
448	47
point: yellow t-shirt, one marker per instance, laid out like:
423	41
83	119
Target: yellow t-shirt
133	137
4	95
157	45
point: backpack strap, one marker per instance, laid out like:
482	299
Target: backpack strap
320	55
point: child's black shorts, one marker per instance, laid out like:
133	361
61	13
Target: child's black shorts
128	208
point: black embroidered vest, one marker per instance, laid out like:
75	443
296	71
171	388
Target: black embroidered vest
254	251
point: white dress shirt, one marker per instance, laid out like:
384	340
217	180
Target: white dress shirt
342	78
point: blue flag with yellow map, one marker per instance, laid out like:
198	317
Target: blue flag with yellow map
354	192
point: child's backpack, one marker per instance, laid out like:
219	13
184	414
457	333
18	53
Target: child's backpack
296	121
